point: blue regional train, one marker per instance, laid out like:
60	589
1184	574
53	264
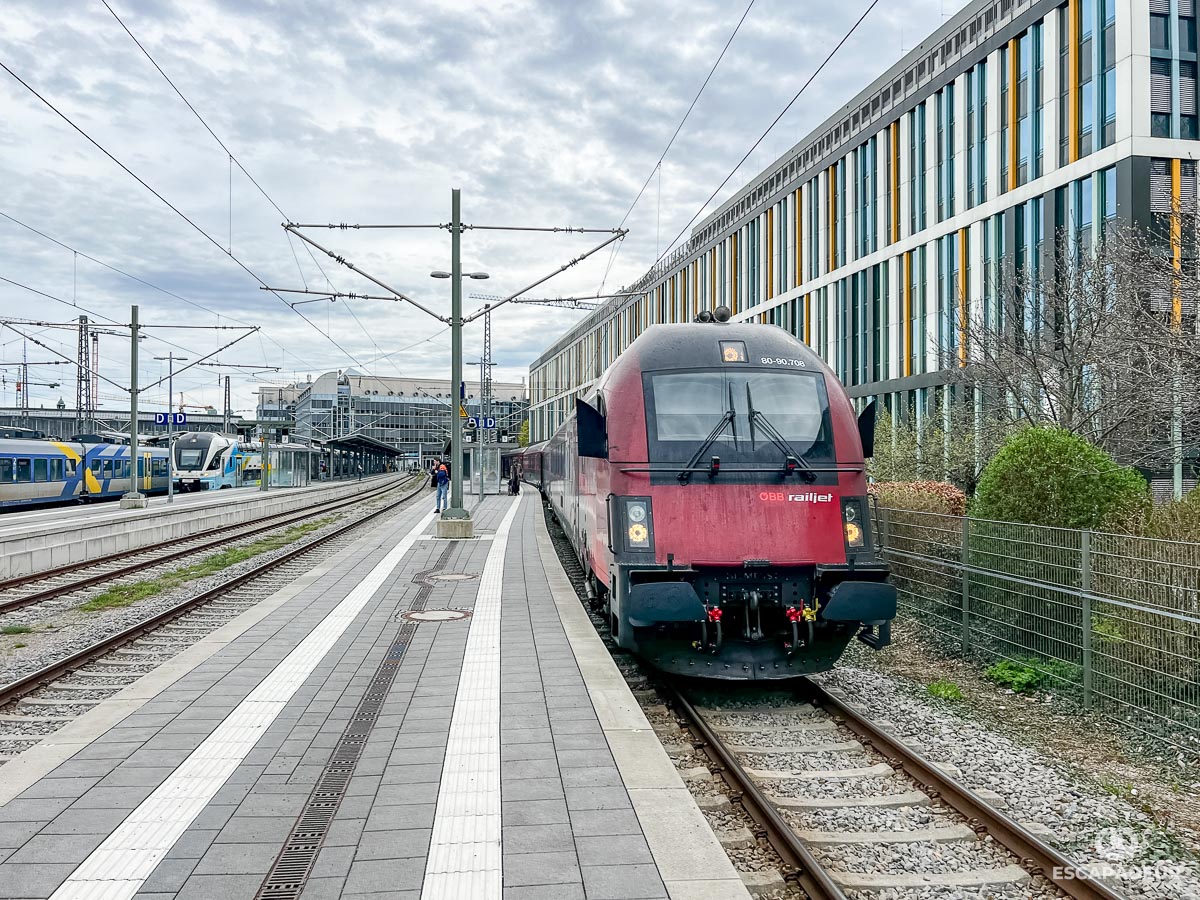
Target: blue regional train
36	472
205	461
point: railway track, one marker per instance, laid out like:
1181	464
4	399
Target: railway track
806	771
51	584
39	703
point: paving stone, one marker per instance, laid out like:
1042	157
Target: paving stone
33	879
545	892
532	788
238	859
540	868
537	838
605	850
385	876
333	862
597	798
587	822
622	882
395	818
396	844
168	876
534	812
219	887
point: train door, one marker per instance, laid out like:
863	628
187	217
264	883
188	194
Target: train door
145	473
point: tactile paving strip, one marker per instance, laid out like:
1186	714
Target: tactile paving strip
291	869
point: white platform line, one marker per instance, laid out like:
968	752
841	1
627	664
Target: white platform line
464	851
117	868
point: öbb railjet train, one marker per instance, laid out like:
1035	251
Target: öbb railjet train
713	486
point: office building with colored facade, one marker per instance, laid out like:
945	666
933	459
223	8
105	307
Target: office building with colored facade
877	237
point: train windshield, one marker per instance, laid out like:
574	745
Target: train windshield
187	458
747	409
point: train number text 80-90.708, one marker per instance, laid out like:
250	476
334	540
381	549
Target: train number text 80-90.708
779	361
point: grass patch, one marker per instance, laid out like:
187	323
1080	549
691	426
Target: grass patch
15	629
1026	675
944	689
19	646
128	594
1019	676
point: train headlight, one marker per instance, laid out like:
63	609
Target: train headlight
636	521
852	524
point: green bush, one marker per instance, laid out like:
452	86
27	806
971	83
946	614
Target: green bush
1021	677
920	496
944	689
1024	675
1049	476
1175	520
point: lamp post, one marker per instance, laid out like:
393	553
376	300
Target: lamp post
447	527
171	359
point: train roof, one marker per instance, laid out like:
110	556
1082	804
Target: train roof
691	345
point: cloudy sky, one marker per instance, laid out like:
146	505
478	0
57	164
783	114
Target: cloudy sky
543	113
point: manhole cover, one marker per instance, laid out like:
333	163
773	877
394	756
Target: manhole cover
452	576
435	615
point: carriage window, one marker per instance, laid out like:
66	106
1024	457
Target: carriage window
56	470
70	468
97	466
107	469
6	470
24	470
40	469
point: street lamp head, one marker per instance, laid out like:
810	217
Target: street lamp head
478	276
439	274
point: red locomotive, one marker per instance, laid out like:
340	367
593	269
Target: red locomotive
713	485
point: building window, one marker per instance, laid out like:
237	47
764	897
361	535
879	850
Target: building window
1160	32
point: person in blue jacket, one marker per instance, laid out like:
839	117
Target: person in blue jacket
443	488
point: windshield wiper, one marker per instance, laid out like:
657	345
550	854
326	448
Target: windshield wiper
792	458
728	420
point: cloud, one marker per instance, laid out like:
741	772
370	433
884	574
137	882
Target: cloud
544	113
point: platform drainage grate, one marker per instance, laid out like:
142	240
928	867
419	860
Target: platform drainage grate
292	867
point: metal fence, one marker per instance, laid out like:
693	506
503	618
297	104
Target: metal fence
1112	619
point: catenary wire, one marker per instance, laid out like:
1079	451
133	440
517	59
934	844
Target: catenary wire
612	257
139	280
170	205
774	122
235	161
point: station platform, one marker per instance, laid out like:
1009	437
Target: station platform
39	539
413	718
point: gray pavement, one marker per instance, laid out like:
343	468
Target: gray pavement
569	828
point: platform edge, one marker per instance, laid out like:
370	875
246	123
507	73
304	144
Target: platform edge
664	806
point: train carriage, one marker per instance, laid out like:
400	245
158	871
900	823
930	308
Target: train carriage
41	472
205	461
713	485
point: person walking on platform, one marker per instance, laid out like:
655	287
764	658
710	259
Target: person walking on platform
443	488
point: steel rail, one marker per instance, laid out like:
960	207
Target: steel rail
1035	855
14	690
265	523
804	867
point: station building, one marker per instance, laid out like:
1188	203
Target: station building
411	415
876	237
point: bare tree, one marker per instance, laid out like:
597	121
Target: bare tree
1102	342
